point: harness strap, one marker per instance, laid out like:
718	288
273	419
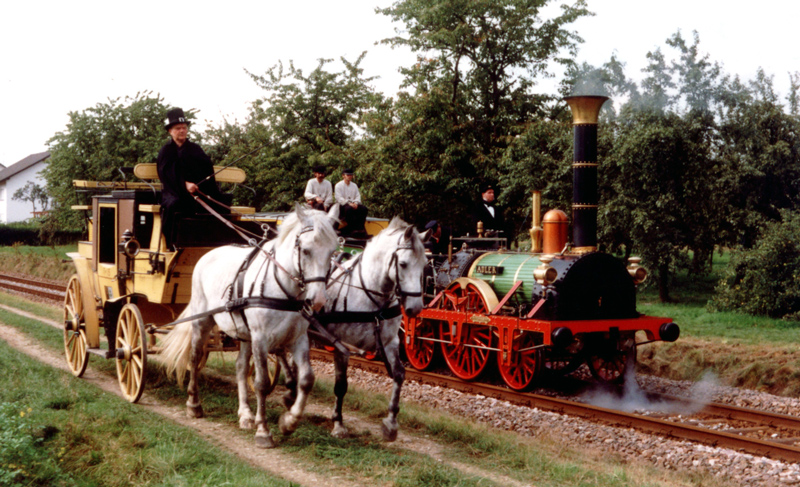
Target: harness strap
237	289
358	316
251	302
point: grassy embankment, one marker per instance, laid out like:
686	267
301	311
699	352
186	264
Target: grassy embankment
740	350
75	435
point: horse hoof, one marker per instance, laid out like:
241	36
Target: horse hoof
287	424
339	431
194	411
246	423
389	430
265	442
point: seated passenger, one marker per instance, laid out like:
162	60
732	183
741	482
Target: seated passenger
351	211
319	192
184	170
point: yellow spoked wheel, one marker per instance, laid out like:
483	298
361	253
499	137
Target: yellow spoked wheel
75	343
273	372
131	347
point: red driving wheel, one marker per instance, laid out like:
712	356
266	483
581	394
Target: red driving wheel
420	351
526	362
468	356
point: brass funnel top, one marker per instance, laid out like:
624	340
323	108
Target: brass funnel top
585	109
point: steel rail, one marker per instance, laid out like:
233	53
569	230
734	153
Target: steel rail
33	287
721	439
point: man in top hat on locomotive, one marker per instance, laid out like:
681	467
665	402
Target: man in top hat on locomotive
185	170
487	211
319	192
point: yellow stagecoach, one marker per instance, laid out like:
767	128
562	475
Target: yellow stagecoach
131	285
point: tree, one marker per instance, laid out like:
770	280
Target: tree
304	120
99	140
765	280
32	193
761	143
477	65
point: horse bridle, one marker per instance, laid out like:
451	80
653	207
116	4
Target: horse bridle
301	281
398	289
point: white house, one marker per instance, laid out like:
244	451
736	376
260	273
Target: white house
15	177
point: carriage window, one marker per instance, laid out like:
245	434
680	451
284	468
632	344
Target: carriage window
107	238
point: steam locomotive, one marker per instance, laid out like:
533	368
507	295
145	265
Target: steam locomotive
548	311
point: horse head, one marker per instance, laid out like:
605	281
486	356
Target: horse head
313	239
404	263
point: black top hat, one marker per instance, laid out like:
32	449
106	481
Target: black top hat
347	171
486	187
431	224
318	168
174	117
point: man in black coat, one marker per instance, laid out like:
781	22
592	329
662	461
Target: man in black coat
489	213
184	169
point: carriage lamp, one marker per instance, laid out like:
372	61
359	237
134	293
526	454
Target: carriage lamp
545	274
129	245
638	273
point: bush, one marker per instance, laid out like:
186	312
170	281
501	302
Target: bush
765	280
36	234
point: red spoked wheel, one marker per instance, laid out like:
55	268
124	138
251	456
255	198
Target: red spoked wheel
526	362
467	353
421	350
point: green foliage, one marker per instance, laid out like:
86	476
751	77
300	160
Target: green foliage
761	145
97	142
23	458
31	234
304	120
765	280
477	66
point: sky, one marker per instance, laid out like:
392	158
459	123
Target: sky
59	56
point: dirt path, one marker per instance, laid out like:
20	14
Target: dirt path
223	435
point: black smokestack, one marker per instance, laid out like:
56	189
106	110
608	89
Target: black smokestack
585	111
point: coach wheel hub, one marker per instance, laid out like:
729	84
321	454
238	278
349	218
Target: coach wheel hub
124	353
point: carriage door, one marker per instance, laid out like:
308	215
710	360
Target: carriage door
111	215
105	249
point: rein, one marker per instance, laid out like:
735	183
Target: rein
300	281
236	301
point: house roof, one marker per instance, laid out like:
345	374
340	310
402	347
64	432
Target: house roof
23	164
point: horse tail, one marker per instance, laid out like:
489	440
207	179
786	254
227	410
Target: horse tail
176	350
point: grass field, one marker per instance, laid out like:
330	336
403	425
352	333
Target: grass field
47	262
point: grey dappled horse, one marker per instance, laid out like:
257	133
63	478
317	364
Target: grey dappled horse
286	273
371	287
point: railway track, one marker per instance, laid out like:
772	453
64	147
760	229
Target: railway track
746	430
33	287
761	433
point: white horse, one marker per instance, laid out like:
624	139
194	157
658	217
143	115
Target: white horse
265	300
363	309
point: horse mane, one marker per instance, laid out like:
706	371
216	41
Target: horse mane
397	226
320	221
